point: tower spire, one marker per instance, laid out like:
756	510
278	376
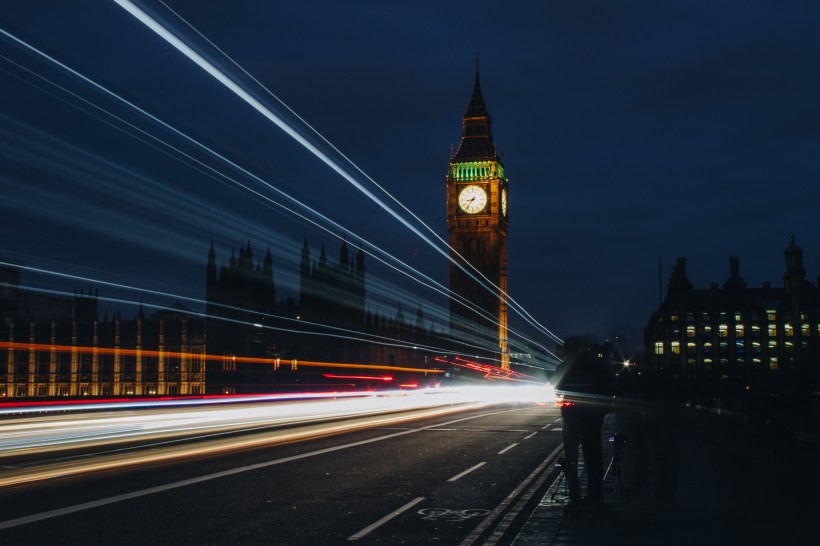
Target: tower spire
476	128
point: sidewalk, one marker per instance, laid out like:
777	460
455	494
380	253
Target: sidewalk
727	483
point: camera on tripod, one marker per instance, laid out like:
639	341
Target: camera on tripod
618	439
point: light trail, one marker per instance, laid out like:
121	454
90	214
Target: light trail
106	431
510	300
489	371
437	286
234	87
413	274
335	331
149	353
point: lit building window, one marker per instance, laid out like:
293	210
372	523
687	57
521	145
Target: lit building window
771	314
723	330
690	331
788	329
659	347
673	318
772	344
755	330
738	317
772	329
805	329
707	330
690	346
756	347
739	330
676	347
773	363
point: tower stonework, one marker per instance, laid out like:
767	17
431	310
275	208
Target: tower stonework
477	217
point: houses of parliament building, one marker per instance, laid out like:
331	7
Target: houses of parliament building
247	341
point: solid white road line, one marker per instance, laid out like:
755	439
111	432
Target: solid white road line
490	518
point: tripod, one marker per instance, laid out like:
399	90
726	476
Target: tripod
562	478
618	442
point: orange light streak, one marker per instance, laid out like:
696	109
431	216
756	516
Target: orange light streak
20	346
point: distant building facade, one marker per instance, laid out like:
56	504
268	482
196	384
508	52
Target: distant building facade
64	350
732	340
248	341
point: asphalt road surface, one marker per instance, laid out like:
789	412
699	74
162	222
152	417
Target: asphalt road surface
461	478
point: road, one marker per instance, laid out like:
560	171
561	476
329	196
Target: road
451	478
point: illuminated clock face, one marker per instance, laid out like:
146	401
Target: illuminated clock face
504	202
472	199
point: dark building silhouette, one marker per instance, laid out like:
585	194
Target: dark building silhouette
241	291
733	341
477	223
332	296
306	339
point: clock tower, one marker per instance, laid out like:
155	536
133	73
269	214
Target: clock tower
477	222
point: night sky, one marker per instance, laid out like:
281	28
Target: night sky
632	132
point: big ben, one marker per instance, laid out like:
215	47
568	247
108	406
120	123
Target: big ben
477	221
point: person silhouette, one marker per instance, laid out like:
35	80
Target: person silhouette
585	388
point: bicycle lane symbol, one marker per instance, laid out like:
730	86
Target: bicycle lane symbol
445	514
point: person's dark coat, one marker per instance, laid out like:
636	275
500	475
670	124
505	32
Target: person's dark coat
585	380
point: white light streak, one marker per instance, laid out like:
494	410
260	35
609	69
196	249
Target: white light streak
258	106
412	273
222	78
160	426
